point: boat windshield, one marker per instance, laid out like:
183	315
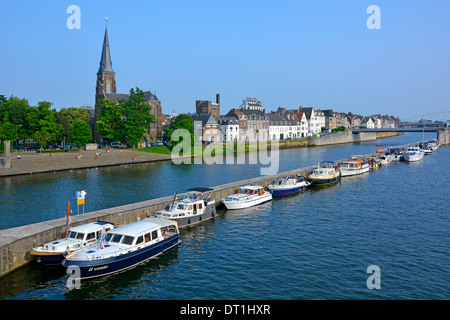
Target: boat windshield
182	206
76	235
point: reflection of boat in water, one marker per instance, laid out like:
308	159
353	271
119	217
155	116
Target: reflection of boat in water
77	238
195	206
247	196
327	172
288	185
124	247
413	154
353	166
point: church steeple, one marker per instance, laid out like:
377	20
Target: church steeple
106	77
105	61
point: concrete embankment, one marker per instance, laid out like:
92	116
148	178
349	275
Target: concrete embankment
16	243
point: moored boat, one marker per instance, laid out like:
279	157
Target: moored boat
413	154
385	159
196	206
77	238
288	185
247	196
124	247
327	172
353	166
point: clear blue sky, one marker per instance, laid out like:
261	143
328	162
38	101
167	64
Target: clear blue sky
285	53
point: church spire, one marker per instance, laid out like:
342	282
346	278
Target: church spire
105	62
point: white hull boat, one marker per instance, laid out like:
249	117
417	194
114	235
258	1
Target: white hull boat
246	197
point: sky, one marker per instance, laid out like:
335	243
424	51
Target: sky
285	53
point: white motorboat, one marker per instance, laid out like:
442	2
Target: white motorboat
353	166
413	154
433	144
385	159
247	196
77	238
196	206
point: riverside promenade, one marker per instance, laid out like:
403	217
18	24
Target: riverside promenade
32	162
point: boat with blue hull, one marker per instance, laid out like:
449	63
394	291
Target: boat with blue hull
291	184
124	248
327	173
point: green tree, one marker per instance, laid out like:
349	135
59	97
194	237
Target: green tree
80	133
182	121
126	120
67	116
136	117
109	122
8	131
48	129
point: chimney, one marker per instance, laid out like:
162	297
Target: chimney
218	99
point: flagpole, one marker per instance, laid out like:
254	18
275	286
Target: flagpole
67	222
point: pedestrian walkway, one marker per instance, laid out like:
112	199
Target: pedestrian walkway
32	162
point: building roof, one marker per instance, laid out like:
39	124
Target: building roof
116	97
206	119
105	61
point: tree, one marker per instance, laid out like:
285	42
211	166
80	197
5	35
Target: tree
80	133
126	120
182	121
109	123
8	131
136	117
66	117
48	129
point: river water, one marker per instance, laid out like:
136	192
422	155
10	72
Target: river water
314	245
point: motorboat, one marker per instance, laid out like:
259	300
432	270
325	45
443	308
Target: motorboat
353	166
124	247
327	172
77	238
433	144
385	159
396	154
426	149
247	196
290	184
413	154
195	206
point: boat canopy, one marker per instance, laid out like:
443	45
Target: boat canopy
200	189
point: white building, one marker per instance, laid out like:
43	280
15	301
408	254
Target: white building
287	125
315	118
229	126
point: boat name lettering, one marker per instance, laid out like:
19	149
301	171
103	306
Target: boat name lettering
97	268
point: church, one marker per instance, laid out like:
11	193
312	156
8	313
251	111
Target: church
107	89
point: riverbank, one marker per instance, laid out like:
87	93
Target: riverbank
23	163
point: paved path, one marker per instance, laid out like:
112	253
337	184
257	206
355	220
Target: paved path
31	162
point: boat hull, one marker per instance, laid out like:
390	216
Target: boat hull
100	267
210	212
324	181
47	257
232	205
413	157
277	192
353	172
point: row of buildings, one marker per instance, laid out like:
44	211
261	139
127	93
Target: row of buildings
250	122
247	122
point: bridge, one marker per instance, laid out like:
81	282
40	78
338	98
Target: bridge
417	129
443	133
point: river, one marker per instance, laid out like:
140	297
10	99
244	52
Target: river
314	245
